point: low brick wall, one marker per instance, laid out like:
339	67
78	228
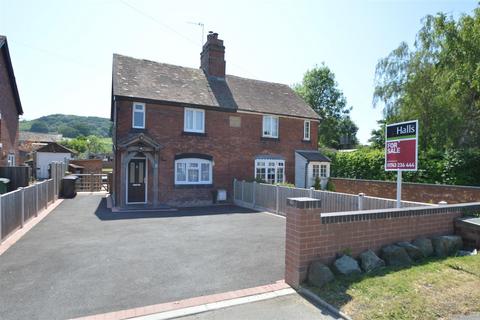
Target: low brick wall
312	236
419	192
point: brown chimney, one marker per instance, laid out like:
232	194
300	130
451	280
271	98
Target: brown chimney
212	58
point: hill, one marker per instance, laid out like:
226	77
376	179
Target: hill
70	126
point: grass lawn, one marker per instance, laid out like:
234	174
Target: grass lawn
432	289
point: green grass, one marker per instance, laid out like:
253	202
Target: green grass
433	289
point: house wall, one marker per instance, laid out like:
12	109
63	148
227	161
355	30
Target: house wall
9	117
300	163
233	148
418	192
43	160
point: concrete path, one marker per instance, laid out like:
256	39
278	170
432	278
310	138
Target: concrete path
288	307
83	260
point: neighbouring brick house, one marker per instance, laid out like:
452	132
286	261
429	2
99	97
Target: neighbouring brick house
10	109
180	133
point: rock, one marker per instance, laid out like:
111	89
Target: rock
446	245
425	245
413	252
319	274
346	265
370	261
396	256
464	253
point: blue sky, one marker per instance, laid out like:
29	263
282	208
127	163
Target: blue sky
62	50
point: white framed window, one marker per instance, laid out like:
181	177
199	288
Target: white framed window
194	120
315	171
306	130
138	115
193	171
270	127
11	160
270	171
323	170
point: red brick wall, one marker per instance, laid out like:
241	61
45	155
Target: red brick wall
310	236
428	193
90	165
9	120
233	149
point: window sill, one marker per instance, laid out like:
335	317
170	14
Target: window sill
306	141
197	134
269	139
193	186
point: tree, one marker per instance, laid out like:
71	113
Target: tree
38	126
320	90
436	82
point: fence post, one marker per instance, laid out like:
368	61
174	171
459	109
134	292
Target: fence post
277	200
36	199
310	192
92	182
253	196
22	196
46	194
234	189
360	201
443	203
243	188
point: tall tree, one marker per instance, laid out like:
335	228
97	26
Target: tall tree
320	90
436	82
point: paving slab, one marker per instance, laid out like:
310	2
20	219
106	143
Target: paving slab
82	259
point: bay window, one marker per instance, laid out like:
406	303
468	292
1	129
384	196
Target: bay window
270	171
193	171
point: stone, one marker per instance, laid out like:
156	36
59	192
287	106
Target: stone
346	265
446	245
413	251
369	261
464	253
396	256
319	274
425	245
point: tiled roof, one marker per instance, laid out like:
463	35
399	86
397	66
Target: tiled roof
136	78
313	155
39	137
13	84
54	147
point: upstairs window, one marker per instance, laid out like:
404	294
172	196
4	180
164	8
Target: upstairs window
193	171
138	115
194	120
270	127
270	171
306	130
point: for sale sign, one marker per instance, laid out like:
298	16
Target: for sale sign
401	149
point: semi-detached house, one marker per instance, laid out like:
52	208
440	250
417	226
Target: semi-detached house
180	134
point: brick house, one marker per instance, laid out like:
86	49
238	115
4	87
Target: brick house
180	134
10	109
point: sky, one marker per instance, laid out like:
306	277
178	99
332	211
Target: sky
62	50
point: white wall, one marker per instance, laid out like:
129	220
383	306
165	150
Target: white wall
45	158
311	181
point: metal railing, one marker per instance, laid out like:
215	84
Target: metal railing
21	205
273	198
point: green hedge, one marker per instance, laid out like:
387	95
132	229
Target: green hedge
460	167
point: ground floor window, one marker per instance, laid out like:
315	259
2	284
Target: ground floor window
11	159
270	171
323	170
316	171
319	171
193	171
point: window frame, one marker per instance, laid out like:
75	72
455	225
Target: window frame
199	162
315	167
134	105
305	131
270	134
11	160
195	111
323	171
266	166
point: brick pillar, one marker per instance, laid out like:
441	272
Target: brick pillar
302	230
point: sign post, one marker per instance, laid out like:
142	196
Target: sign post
401	150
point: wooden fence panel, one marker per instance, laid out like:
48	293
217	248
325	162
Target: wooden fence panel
19	176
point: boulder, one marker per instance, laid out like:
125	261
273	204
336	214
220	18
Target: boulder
319	274
425	245
413	252
446	245
346	265
369	261
396	256
464	253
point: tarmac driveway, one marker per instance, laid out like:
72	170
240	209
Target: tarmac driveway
82	259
